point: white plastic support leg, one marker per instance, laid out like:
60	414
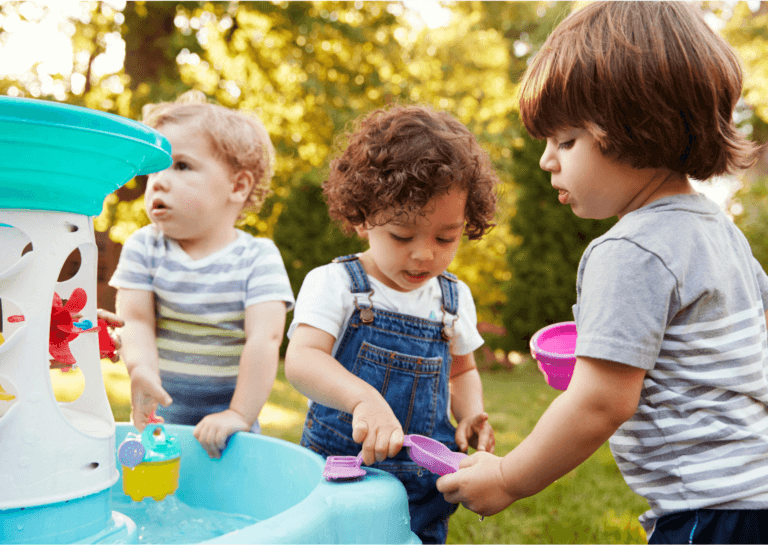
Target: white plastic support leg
51	451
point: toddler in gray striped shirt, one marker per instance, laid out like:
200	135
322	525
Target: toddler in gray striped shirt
634	99
204	303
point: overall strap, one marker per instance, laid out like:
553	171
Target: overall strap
448	285
356	273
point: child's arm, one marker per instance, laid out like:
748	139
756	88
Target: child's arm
310	367
264	327
602	395
139	353
467	406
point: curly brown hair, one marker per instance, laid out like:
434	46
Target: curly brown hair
400	158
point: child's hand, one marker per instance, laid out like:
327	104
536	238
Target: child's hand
376	426
113	320
146	393
214	430
477	485
476	432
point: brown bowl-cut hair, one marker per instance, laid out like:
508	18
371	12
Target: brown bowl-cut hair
650	81
397	159
238	138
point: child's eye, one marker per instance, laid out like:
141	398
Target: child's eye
446	240
181	165
400	239
566	145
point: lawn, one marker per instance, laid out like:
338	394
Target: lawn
592	504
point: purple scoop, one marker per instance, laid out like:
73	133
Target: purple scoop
554	348
425	451
433	455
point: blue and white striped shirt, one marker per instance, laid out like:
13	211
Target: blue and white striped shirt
200	304
673	288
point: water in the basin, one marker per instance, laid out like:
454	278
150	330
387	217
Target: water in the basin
173	521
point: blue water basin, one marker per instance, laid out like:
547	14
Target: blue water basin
280	486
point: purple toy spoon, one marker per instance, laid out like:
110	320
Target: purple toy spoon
433	455
425	451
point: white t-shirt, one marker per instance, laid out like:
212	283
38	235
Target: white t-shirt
326	302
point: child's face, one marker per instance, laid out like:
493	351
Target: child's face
405	253
597	186
187	200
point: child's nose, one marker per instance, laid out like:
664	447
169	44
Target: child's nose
159	181
548	162
422	253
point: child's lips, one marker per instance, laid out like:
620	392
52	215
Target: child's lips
562	196
159	209
416	277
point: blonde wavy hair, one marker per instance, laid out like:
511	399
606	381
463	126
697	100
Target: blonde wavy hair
238	137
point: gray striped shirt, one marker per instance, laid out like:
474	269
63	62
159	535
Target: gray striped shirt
673	288
200	304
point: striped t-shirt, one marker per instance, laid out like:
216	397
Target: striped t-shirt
200	304
673	288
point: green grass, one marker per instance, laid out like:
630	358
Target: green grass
592	504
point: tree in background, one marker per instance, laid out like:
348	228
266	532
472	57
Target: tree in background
746	28
545	262
309	68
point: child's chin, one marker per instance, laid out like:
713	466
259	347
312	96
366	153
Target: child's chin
587	214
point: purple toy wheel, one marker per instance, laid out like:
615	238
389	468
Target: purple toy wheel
130	453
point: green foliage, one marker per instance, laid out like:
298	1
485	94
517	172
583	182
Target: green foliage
754	220
544	265
746	29
309	68
306	236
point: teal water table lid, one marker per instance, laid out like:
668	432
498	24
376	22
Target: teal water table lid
67	158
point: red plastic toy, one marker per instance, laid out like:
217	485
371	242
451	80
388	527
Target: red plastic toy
63	329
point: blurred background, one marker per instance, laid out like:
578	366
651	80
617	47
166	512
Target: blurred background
308	68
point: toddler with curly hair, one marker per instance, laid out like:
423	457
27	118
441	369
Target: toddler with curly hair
382	342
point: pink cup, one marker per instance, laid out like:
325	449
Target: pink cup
554	348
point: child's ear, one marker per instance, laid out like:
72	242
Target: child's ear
361	230
242	183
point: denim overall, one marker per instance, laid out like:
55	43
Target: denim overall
408	360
